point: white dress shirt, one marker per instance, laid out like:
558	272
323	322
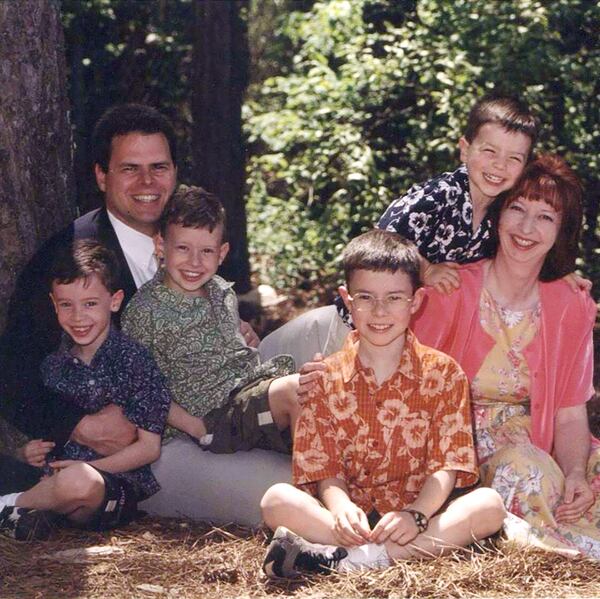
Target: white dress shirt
138	249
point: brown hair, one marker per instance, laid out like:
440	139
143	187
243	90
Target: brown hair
509	112
549	179
193	207
380	250
82	259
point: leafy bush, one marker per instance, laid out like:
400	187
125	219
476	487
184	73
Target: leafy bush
374	97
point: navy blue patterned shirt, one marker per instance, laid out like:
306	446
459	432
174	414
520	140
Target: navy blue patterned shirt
438	217
122	372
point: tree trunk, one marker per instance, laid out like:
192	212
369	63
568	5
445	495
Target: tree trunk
220	79
36	195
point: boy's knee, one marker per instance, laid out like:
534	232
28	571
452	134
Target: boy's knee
273	499
80	482
488	512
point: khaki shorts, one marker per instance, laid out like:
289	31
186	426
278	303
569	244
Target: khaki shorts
245	422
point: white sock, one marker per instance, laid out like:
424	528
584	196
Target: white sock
10	499
365	557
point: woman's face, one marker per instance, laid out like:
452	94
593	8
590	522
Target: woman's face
527	230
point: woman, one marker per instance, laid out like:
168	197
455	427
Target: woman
524	339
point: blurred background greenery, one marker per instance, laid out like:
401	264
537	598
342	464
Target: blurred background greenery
347	104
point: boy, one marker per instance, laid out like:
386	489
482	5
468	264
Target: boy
187	316
384	439
447	217
95	366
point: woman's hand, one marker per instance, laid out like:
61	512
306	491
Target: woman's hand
578	499
444	277
351	527
398	527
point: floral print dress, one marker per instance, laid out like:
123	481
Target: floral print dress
528	479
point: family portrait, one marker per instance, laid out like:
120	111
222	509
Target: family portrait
299	298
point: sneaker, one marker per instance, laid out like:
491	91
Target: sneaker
289	555
24	524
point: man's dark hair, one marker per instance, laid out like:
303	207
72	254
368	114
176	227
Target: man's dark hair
195	208
129	118
380	250
82	259
511	113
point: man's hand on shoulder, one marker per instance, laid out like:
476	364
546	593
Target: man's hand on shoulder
249	334
106	432
34	453
310	375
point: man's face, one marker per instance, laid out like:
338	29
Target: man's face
140	178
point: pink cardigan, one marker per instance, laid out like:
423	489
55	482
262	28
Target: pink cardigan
560	357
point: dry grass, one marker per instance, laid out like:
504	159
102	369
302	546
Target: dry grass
175	559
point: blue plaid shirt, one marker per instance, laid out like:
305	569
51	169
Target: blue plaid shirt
122	372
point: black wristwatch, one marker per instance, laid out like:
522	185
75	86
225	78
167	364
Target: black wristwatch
421	520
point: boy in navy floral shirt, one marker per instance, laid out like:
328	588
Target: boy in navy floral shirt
448	216
95	366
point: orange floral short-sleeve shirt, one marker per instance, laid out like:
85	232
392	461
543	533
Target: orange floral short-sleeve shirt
384	441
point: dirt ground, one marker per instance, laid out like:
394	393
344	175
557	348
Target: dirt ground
176	559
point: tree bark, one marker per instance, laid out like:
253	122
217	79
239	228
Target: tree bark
36	195
220	79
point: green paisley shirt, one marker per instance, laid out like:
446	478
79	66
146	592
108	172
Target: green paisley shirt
197	343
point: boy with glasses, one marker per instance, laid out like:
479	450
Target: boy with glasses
383	441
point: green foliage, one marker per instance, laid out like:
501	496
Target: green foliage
374	99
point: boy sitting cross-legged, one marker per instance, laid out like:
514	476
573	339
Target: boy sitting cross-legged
95	366
224	398
384	441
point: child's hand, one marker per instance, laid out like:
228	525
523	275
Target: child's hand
34	453
444	277
60	464
351	526
577	282
310	374
398	527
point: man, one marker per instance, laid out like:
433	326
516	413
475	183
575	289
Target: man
135	166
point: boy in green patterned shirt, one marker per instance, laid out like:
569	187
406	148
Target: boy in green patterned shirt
187	316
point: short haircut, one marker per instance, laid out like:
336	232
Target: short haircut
129	118
380	250
549	178
509	112
82	259
194	207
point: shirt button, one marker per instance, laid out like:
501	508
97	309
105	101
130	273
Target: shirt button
91	382
367	472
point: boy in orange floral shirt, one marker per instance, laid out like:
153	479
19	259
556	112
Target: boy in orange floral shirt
383	440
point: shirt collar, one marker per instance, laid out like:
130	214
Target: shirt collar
215	287
409	360
138	246
67	343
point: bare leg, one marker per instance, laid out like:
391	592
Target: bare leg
283	401
77	492
469	518
285	505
